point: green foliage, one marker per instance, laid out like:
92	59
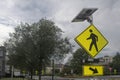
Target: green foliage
66	71
77	62
106	70
116	63
32	46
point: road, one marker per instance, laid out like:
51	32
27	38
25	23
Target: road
115	77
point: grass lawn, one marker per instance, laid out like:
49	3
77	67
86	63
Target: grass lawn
13	79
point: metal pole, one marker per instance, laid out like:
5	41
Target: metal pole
90	19
53	69
12	72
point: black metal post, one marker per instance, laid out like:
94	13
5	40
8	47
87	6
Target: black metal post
52	69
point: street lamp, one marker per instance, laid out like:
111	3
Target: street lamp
85	14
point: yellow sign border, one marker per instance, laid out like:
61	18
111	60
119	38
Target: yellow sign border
84	47
93	66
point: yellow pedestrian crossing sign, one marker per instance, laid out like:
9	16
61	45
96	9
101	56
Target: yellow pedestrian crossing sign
92	70
91	40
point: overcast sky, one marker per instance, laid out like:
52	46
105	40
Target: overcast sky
106	18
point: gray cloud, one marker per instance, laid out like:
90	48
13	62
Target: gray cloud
8	21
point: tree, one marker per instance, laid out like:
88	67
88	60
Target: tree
66	70
79	56
32	46
115	63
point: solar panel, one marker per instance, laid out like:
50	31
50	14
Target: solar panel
84	14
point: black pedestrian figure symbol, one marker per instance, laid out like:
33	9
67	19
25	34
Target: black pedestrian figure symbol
94	39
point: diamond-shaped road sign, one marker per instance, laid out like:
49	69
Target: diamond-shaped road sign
91	40
92	70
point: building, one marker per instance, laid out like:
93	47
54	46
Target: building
2	60
57	68
108	59
105	60
100	61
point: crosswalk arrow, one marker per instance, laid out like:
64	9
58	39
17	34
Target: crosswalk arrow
94	70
